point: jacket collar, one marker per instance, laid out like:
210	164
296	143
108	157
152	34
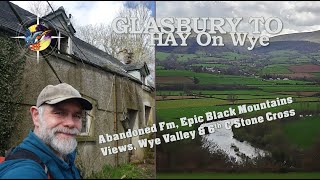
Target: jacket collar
33	143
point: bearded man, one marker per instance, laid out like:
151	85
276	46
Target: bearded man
49	150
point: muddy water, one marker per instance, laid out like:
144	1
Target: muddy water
222	140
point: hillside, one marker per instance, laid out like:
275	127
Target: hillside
305	36
303	42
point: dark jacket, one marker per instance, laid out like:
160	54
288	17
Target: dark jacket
27	168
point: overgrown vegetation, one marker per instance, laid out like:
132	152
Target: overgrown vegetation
124	171
11	69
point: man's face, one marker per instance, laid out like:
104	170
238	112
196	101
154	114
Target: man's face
59	124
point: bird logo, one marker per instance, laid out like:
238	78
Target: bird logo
37	37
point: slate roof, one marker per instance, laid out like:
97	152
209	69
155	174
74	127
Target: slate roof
131	67
138	66
88	53
8	19
97	56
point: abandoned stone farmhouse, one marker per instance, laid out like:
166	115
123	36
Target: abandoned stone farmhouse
119	90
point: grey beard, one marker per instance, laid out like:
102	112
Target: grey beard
63	146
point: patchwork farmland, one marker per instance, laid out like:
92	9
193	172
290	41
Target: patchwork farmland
195	82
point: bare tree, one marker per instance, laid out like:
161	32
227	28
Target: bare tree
102	36
138	44
92	34
41	8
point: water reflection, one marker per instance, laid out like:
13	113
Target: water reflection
222	140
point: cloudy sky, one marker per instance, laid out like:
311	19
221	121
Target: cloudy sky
296	16
89	12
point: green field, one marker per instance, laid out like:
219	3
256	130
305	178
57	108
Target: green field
281	60
290	60
180	57
293	134
316	74
239	98
161	55
191	103
288	57
315	55
229	56
159	67
302	59
303	132
233	56
213	175
290	88
240	94
223	66
226	92
206	78
284	53
173	110
248	97
276	69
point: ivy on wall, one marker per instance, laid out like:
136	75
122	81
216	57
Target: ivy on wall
12	63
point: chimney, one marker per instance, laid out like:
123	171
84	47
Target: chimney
129	60
125	56
69	20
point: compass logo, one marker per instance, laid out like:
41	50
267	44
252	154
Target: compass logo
38	37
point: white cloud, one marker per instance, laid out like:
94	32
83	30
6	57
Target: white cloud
296	16
85	12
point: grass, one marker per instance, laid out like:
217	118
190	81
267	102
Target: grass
225	92
159	67
162	55
302	59
248	97
276	69
206	78
190	103
223	66
234	56
180	57
173	110
203	102
214	175
302	132
315	55
288	56
124	171
281	60
200	56
285	53
290	88
317	74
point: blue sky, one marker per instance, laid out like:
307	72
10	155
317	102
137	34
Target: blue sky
149	4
